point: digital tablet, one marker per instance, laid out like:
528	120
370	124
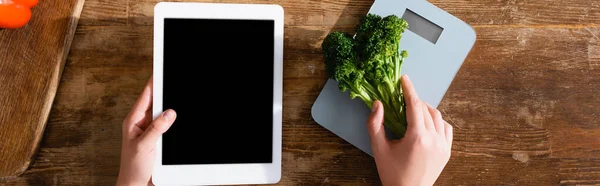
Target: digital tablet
219	66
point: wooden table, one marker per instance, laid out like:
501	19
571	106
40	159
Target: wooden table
525	104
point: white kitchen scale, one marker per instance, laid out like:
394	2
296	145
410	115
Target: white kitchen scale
437	43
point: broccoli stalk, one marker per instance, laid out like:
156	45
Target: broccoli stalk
368	65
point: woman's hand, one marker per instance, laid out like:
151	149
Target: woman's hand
140	134
419	157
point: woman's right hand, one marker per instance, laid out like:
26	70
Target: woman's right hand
421	155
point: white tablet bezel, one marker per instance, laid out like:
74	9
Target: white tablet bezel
221	174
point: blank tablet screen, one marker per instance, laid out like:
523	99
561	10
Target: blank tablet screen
218	77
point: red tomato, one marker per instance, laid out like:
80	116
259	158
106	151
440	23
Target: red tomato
27	3
14	15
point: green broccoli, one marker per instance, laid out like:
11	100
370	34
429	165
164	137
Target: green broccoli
368	65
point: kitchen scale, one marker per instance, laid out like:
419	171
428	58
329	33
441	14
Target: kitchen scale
437	43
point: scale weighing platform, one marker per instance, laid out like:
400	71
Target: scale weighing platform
437	43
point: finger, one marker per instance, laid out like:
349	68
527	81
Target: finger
414	113
159	126
375	126
142	104
449	133
147	120
427	119
438	121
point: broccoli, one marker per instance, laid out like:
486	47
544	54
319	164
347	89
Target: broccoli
368	65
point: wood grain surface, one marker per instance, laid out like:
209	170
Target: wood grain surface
31	62
524	104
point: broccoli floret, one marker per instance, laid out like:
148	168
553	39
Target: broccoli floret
341	65
368	65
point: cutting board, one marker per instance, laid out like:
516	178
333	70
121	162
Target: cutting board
31	62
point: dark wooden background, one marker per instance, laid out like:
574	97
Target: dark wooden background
31	61
524	104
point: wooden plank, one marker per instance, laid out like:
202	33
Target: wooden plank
345	12
105	12
512	12
31	62
307	12
481	170
142	12
580	171
486	12
526	78
135	42
83	137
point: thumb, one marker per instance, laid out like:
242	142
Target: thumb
159	126
375	126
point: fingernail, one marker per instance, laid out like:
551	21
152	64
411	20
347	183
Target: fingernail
406	76
374	107
168	115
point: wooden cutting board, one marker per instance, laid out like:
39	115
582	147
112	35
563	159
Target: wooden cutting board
31	63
